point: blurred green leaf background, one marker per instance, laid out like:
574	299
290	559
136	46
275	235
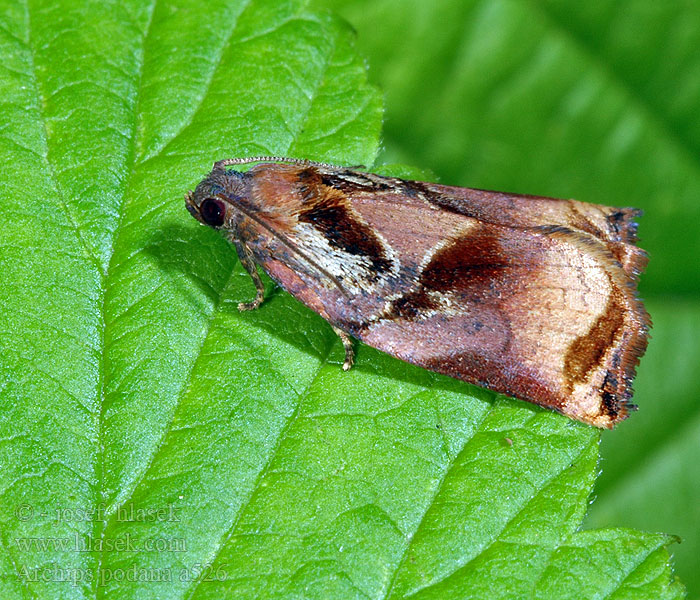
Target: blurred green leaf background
598	101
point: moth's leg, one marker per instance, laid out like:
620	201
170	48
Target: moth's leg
349	350
248	263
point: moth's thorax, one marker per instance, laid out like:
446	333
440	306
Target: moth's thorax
279	193
276	189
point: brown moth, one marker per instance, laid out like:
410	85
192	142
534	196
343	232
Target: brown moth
529	296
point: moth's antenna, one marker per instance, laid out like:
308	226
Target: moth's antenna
220	164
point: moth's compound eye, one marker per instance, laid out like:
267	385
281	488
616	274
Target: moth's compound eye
213	212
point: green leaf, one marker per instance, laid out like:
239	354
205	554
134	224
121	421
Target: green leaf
155	442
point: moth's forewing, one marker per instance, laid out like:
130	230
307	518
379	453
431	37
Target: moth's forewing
529	296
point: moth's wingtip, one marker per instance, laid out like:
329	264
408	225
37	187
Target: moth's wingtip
625	410
624	222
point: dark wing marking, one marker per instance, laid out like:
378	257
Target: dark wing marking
335	221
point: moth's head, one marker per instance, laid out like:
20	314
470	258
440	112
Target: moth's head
212	202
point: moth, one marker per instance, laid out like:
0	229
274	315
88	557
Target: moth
528	296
